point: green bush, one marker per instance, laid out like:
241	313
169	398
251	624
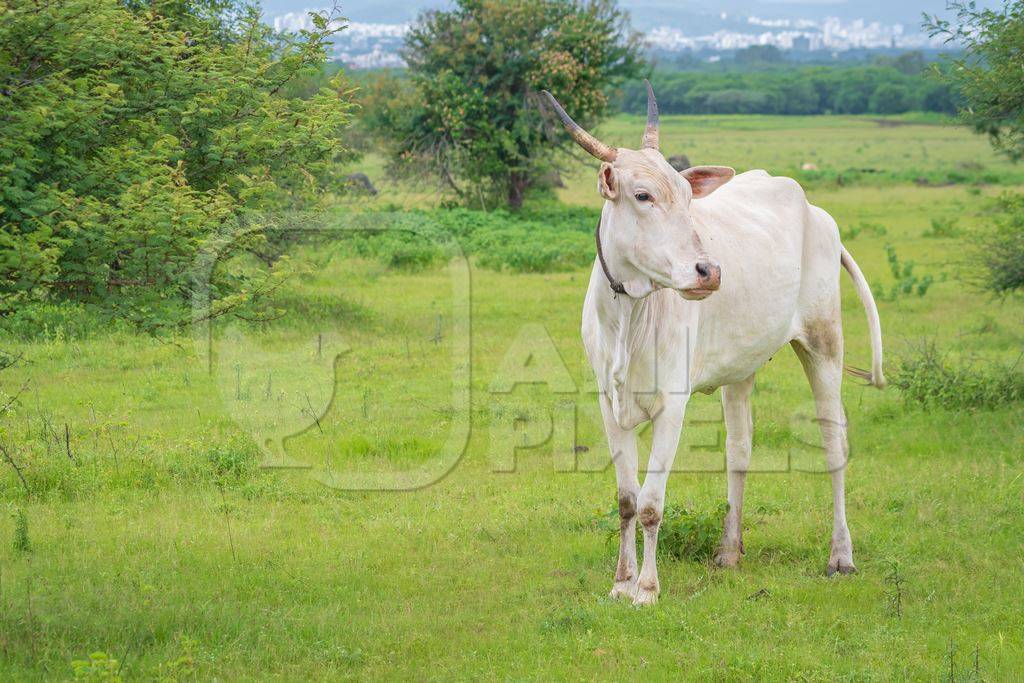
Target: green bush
406	251
538	240
690	535
925	377
57	320
404	240
532	248
120	159
943	227
1001	249
233	460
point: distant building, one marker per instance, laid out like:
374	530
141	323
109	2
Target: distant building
801	43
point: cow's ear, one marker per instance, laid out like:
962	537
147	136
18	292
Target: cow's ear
607	183
706	179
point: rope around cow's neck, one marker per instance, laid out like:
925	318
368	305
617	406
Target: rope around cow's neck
616	286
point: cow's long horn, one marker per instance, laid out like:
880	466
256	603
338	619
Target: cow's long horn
650	140
582	137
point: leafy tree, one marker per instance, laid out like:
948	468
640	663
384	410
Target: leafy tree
1002	248
132	131
854	93
938	97
988	77
890	98
851	99
988	73
470	115
799	97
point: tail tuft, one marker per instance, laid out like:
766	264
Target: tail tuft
861	373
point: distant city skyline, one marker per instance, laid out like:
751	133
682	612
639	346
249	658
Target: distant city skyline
648	14
374	35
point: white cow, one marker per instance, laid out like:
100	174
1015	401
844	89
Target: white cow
693	291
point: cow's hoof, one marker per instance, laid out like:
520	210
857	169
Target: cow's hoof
623	589
727	558
645	596
840	566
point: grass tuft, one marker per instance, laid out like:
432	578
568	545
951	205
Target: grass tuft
943	228
21	541
98	667
685	534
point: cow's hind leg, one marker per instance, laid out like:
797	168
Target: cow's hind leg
739	429
820	350
622	445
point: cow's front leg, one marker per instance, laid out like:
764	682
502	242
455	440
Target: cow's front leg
651	502
622	445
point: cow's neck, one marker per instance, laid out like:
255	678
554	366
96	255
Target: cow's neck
650	345
627	326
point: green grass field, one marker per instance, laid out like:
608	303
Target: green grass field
150	533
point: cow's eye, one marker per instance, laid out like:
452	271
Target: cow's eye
642	197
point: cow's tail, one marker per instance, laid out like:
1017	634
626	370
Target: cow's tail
875	377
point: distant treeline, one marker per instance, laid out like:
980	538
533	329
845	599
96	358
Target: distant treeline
865	89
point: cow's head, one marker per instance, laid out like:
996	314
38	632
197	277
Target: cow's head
648	235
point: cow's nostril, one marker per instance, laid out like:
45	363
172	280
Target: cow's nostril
703	270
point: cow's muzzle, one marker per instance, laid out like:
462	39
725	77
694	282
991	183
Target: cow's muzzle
709	279
709	275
